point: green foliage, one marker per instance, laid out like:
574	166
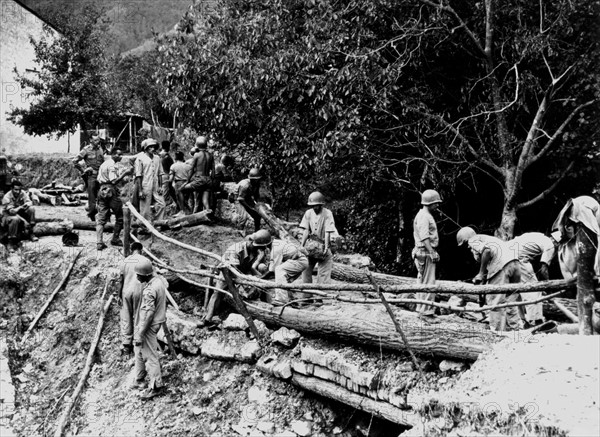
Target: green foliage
72	87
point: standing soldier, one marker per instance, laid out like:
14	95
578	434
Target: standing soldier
319	226
93	156
109	198
426	242
529	247
179	173
498	265
248	196
131	296
148	181
149	318
18	215
200	180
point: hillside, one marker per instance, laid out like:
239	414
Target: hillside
132	23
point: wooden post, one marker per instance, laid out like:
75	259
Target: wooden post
126	231
585	279
239	303
130	136
208	291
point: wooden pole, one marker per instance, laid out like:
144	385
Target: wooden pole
239	303
156	233
396	324
126	232
585	279
49	300
130	137
64	418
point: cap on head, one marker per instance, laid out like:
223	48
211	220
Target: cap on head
464	234
429	197
16	183
144	267
149	142
261	238
201	142
254	173
316	198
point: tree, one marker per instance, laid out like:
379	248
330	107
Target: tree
384	97
72	87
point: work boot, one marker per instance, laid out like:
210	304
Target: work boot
116	242
101	246
138	384
151	393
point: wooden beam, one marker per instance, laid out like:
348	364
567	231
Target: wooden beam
585	278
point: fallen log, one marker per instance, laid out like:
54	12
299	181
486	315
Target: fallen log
52	228
78	223
200	218
446	336
64	418
51	298
333	391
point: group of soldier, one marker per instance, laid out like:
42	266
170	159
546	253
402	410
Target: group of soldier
500	262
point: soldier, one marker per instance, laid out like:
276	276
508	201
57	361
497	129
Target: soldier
18	215
498	265
202	171
109	198
92	156
148	181
287	262
131	295
319	228
150	316
426	241
248	195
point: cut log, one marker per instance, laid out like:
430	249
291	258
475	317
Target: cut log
52	228
447	336
78	223
200	218
334	391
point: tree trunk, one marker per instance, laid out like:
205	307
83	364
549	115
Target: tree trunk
52	228
506	229
447	336
585	279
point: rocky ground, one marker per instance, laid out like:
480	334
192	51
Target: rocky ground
542	386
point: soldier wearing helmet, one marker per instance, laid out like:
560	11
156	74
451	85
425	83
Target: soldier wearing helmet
148	320
248	195
425	254
319	231
201	174
149	177
130	295
498	264
245	256
88	162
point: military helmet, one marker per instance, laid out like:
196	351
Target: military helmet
429	197
261	238
464	234
144	267
316	198
254	173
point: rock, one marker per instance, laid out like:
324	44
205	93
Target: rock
337	430
235	322
455	366
184	330
266	427
250	351
197	411
443	380
283	369
266	364
258	395
262	328
308	416
286	337
208	376
301	427
241	430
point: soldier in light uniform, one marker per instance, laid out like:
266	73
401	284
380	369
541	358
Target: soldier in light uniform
92	156
426	242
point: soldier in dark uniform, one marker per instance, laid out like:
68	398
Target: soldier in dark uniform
93	157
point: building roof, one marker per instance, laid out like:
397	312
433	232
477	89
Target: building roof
35	13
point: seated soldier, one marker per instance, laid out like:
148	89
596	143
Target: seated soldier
18	216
